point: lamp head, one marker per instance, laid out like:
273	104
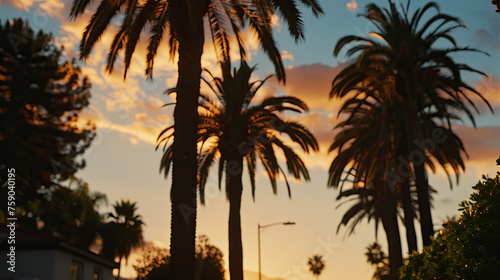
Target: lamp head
289	223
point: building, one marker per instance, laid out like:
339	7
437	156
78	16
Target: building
43	256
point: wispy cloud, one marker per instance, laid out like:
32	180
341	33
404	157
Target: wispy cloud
352	6
286	55
48	6
489	87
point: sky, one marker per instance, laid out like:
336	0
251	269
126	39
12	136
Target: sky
122	161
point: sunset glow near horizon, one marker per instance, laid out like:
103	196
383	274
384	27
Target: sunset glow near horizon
122	161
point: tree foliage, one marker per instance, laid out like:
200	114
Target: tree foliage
316	264
69	211
467	248
376	257
155	263
40	99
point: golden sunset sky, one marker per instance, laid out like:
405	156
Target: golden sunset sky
123	163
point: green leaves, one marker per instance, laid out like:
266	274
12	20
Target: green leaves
466	248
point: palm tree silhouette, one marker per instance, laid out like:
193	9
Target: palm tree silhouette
497	3
376	257
234	130
425	77
123	233
316	265
367	147
183	23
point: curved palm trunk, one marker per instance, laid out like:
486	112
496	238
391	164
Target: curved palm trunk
183	193
388	213
234	171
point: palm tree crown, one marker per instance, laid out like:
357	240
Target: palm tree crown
233	125
123	232
316	264
226	19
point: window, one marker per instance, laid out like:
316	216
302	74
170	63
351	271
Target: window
76	271
97	274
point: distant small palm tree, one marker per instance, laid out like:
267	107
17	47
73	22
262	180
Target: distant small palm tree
123	233
376	257
316	265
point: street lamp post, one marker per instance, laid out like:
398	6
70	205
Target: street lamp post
259	227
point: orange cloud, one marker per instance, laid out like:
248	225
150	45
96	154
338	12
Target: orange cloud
482	144
489	87
311	83
352	6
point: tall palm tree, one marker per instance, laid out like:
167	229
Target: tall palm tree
236	130
123	233
424	76
183	23
367	147
316	265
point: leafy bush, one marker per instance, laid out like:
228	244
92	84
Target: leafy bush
154	264
468	248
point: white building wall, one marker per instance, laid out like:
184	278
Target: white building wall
50	265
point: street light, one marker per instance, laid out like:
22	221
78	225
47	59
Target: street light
259	227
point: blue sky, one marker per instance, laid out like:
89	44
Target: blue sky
122	161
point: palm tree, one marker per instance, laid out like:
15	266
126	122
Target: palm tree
497	3
235	130
123	233
183	23
376	257
367	147
424	76
316	265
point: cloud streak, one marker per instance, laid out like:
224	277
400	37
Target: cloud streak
352	6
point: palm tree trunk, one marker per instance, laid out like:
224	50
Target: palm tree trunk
388	213
234	171
409	214
417	157
411	236
184	180
424	205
